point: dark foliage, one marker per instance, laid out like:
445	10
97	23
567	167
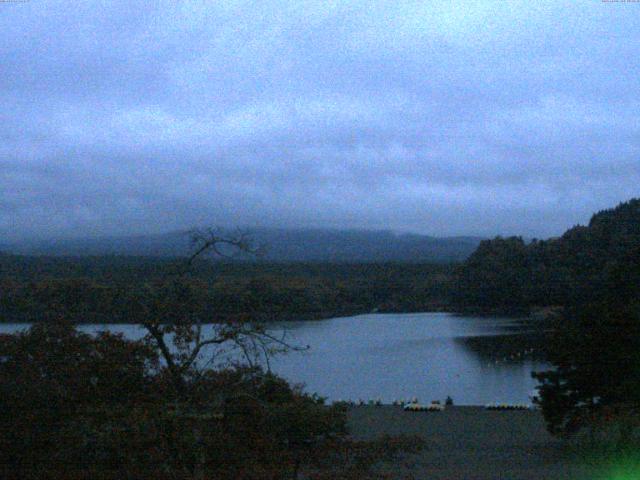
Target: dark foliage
596	355
494	276
77	406
99	289
592	273
594	345
591	264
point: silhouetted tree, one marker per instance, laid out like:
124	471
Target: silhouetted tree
174	309
595	352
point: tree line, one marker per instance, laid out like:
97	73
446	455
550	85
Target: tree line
592	274
99	289
593	263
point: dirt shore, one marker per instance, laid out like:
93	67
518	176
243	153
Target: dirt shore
472	443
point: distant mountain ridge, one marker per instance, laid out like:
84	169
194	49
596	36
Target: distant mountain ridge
282	245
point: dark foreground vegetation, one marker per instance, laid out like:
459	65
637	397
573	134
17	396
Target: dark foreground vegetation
99	289
592	274
74	406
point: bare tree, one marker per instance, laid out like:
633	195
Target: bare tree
224	245
175	313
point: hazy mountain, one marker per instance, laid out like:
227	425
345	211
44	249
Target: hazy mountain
282	245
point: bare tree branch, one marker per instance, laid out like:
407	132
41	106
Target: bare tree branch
175	315
212	240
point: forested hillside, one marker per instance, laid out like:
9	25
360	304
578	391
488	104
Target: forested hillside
587	264
102	289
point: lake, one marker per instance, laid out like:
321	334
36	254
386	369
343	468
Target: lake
475	360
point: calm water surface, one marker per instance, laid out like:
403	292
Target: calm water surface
475	360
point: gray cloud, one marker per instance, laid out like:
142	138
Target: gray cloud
436	117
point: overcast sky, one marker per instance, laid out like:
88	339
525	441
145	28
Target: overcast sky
444	118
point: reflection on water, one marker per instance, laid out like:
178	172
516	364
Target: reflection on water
510	348
475	360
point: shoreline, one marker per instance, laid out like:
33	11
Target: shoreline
538	315
470	442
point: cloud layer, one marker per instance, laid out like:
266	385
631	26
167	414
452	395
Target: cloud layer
442	118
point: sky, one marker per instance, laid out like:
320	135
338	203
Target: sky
435	117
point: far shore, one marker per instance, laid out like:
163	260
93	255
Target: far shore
538	314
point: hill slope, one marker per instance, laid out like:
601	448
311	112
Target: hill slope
593	263
283	245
